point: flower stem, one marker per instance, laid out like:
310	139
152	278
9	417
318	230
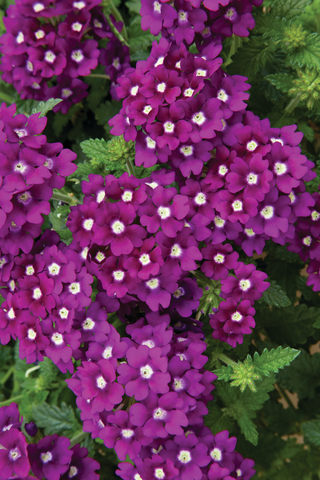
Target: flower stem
98	75
130	167
115	31
294	102
6	98
225	359
10	400
109	5
78	438
62	197
7	375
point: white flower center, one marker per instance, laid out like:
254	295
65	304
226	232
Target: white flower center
88	224
152	185
183	16
14	454
74	288
188	92
38	7
156	7
54	269
176	251
88	324
11	315
46	457
244	284
72	471
216	454
222	95
146	372
144	259
178	384
20	38
77	56
184	456
315	216
187	150
218	221
31	334
200	199
249	232
134	90
160	59
168	127
21	132
100	381
12	285
100	196
63	312
107	352
164	212
116	63
97	24
252	145
222	170
237	206
39	34
127	196
36	293
201	73
127	432
147	109
148	343
198	118
66	92
57	339
159	414
79	5
161	87
150	143
49	56
100	256
153	283
274	140
230	13
159	473
76	27
117	227
29	66
280	168
179	292
236	316
118	275
219	258
267	212
178	65
29	270
252	178
84	253
307	241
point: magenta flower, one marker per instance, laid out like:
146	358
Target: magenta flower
145	261
81	467
219	261
13	454
156	14
157	291
145	371
161	85
50	457
36	293
204	117
248	283
235	207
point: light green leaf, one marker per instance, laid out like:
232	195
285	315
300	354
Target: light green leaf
308	55
311	431
289	8
282	81
45	107
54	419
134	6
275	296
273	360
96	150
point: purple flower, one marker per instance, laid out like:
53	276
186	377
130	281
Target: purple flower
10	418
50	61
235	207
161	85
190	20
220	261
157	291
50	457
116	58
31	429
145	261
81	57
190	157
13	454
32	341
146	370
204	117
157	467
248	283
35	293
81	467
236	18
157	336
185	300
221	449
156	14
70	90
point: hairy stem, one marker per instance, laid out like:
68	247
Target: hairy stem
7	375
225	359
109	5
6	98
62	197
130	167
293	103
10	400
78	438
98	75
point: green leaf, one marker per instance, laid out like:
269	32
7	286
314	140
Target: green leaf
224	373
96	150
106	111
282	81
252	57
311	431
138	39
134	6
54	419
303	376
45	107
275	296
289	8
273	360
306	130
308	55
217	420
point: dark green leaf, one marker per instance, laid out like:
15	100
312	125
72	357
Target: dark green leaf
96	150
308	55
282	81
54	419
311	431
289	8
252	57
275	296
303	376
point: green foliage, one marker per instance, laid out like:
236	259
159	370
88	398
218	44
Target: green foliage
303	376
289	8
311	431
112	156
56	420
275	296
45	107
211	292
58	218
252	57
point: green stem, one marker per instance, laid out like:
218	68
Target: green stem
10	400
7	375
225	359
130	167
6	98
198	315
30	370
115	31
98	75
62	197
108	4
78	438
294	102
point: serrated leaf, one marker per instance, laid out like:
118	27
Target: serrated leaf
273	360
303	376
252	57
134	6
45	107
54	419
248	428
311	431
217	420
282	81
106	111
289	8
308	55
275	296
224	373
95	149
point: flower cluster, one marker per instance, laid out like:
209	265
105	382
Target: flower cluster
48	43
30	168
50	458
